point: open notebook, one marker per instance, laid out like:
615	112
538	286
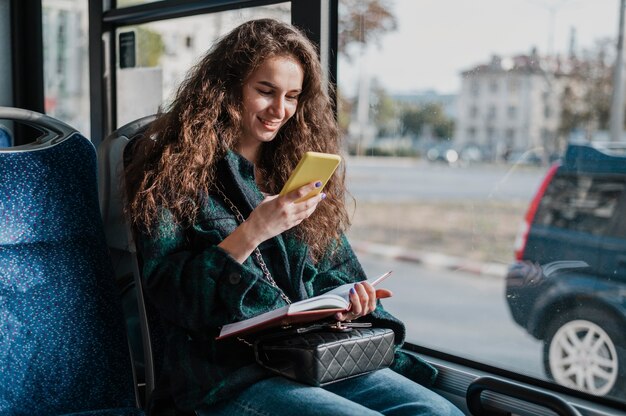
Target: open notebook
307	310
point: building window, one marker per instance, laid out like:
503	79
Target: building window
474	87
491	112
493	86
510	135
511	111
473	112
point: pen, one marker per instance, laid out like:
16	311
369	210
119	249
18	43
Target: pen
381	278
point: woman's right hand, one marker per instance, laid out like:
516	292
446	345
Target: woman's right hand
276	214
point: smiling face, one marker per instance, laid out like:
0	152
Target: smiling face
270	98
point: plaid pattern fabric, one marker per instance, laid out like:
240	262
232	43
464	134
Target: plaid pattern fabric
197	287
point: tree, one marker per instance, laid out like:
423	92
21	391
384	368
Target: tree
415	119
383	110
363	22
150	47
412	121
586	97
345	107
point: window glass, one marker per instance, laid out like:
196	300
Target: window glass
126	3
453	129
154	57
66	62
581	203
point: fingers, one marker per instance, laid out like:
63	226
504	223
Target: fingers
355	306
350	315
303	191
300	211
343	316
355	300
367	296
383	293
280	213
363	301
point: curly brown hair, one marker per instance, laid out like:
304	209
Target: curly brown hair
204	121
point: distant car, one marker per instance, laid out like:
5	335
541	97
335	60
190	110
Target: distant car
471	154
568	284
442	153
527	157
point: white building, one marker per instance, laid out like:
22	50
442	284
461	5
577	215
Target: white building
511	105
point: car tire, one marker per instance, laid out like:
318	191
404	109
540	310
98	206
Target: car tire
585	349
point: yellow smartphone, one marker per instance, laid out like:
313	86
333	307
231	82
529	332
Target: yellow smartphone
313	166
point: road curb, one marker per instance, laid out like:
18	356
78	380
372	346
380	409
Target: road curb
430	259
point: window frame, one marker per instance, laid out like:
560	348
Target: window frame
317	18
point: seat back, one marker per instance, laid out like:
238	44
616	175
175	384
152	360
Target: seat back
112	154
63	347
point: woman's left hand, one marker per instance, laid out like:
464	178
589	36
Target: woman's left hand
363	301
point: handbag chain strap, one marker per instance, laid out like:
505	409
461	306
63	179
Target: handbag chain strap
257	252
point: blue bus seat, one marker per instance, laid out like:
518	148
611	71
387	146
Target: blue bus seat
119	239
113	153
63	346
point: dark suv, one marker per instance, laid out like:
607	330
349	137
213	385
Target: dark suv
568	284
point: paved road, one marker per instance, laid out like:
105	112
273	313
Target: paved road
404	179
459	313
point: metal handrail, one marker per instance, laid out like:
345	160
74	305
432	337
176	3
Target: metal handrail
518	391
54	131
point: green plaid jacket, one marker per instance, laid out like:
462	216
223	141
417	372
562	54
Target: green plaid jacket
197	287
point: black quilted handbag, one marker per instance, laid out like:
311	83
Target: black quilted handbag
325	356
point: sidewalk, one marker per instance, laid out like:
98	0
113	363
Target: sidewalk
432	260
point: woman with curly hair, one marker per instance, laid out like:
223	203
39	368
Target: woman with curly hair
239	124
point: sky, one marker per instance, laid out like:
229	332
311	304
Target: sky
436	39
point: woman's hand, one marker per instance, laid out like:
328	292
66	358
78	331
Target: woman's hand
277	214
274	215
362	300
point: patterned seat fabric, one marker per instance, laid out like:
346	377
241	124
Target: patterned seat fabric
63	345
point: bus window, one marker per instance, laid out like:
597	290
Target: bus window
127	3
66	62
165	50
451	123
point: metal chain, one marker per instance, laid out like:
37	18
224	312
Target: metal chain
257	252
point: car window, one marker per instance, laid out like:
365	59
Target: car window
618	228
581	203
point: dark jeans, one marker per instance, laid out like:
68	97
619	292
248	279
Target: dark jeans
381	392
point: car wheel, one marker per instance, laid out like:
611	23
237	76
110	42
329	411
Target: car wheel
585	350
